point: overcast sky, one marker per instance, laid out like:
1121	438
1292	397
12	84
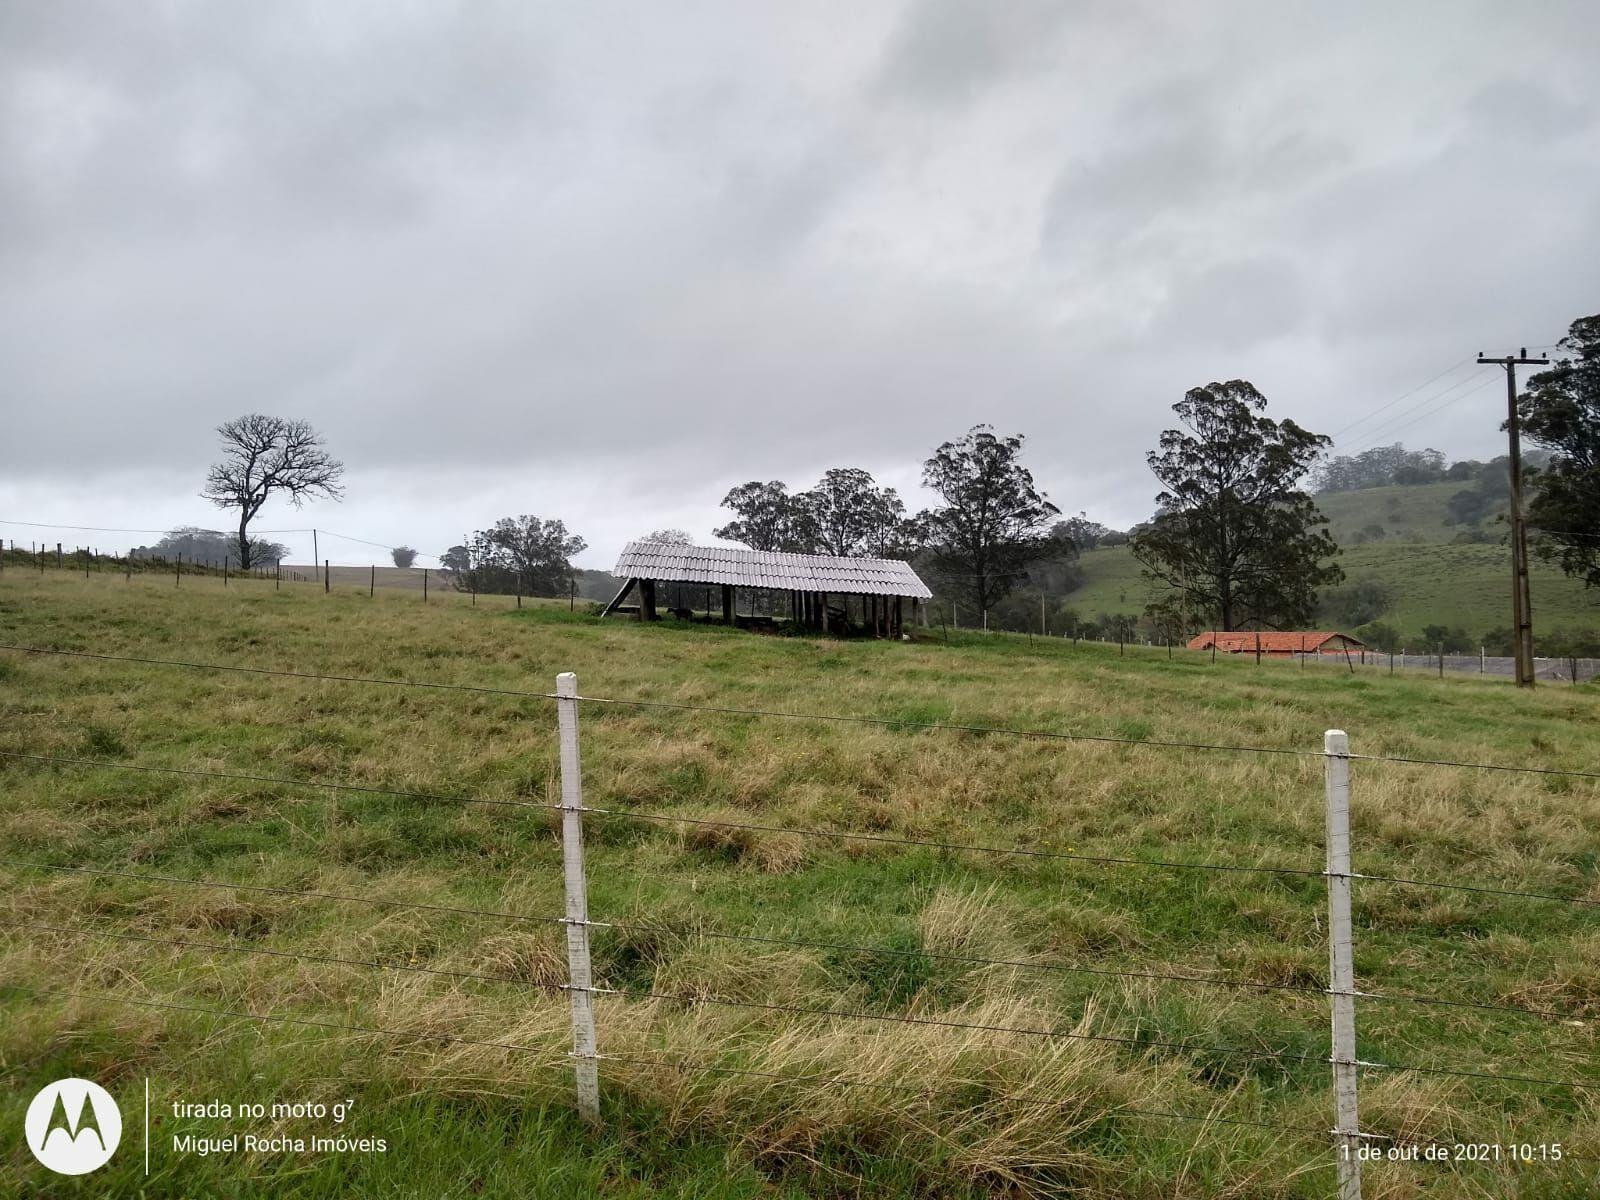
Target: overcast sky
603	261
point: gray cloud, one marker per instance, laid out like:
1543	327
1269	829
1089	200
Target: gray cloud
604	265
947	50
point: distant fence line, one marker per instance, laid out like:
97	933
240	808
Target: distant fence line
41	556
367	577
1346	1144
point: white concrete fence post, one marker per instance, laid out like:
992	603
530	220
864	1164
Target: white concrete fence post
1341	963
579	980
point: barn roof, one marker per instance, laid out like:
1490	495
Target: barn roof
675	563
1271	641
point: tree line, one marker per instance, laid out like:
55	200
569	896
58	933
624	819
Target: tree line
1236	539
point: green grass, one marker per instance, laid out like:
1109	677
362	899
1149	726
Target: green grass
1407	514
1465	586
466	1120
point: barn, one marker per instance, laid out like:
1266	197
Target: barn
810	591
1278	644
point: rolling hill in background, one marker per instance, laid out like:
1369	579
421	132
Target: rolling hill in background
1400	538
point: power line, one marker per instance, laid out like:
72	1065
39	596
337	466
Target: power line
1564	533
180	529
1405	418
1438	408
361	541
1403	396
116	529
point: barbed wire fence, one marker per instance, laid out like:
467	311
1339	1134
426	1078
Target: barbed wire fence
329	575
1348	1142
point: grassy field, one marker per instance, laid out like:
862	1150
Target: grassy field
1406	513
467	1120
1432	581
1465	586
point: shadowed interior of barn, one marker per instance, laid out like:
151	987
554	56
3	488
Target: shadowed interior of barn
765	588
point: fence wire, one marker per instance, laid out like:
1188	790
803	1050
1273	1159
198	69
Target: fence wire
824	834
689	934
1138	1043
778	714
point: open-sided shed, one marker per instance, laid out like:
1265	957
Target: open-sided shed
819	588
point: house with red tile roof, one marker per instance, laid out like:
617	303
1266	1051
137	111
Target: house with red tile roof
1279	644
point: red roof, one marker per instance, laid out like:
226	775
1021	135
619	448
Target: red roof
1245	641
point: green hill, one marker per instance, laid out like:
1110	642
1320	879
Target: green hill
1426	576
1403	514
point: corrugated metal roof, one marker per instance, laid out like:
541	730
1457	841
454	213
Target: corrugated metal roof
770	569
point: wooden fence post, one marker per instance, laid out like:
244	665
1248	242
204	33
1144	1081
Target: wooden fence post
326	585
424	585
1341	964
579	980
372	582
177	578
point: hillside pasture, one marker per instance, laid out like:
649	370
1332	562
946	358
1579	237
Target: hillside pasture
705	1098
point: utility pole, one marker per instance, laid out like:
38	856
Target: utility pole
1521	600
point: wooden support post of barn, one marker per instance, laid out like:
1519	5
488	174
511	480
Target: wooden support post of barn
808	581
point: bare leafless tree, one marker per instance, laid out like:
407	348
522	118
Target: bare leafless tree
262	455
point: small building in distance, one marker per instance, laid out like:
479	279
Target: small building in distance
1277	644
812	591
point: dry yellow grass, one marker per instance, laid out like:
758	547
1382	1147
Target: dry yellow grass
928	1109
